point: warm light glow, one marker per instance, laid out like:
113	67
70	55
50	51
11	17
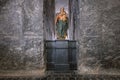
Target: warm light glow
59	4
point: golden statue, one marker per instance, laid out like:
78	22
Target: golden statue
61	22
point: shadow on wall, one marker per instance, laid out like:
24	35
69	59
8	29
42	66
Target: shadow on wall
3	3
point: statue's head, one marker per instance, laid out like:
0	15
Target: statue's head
62	9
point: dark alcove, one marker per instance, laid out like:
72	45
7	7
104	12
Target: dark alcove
60	54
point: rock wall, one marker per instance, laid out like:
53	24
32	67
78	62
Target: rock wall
21	35
96	24
99	34
49	19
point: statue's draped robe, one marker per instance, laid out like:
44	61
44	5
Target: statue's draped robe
61	29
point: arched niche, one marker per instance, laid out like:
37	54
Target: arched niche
51	7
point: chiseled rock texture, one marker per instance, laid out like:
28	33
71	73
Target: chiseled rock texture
97	30
99	34
21	35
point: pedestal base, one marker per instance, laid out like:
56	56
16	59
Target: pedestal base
61	55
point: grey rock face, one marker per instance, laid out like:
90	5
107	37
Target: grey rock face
49	17
99	44
21	34
97	33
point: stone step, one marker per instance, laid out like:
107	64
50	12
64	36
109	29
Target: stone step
66	76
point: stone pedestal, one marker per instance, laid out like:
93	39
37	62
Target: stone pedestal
61	55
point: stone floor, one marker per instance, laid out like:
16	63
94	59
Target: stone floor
66	76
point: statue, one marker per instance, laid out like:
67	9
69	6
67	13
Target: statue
61	22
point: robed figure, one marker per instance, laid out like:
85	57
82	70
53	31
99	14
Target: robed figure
61	22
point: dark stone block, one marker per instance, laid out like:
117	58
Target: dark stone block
61	54
57	78
62	44
61	67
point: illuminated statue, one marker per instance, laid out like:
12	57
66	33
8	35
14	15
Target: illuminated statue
61	22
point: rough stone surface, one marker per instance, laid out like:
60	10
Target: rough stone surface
99	35
49	17
21	35
96	28
66	76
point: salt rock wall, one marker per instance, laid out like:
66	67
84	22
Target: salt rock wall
21	35
99	45
97	31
